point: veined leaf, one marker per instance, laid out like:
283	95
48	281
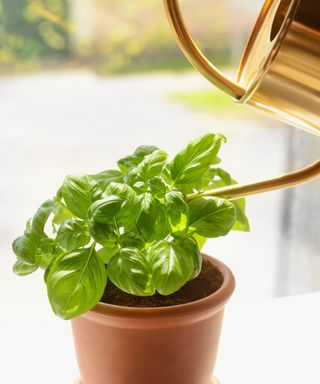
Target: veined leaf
211	217
189	250
76	282
106	177
158	187
79	192
152	165
129	271
170	268
147	216
73	234
102	233
192	162
105	210
130	206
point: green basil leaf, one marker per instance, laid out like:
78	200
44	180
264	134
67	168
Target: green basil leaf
129	162
242	222
60	213
144	150
147	216
162	227
211	217
73	234
76	282
41	217
79	192
140	187
105	210
152	165
47	251
129	271
131	240
130	207
107	251
158	187
106	177
170	269
25	247
192	162
189	250
22	269
102	233
220	178
178	211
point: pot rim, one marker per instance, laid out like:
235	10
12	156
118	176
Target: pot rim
211	303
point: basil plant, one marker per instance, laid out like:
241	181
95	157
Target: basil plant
133	225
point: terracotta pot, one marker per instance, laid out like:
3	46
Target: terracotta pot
165	345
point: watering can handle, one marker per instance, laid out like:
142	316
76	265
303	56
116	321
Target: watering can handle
195	56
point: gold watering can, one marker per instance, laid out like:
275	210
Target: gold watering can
279	74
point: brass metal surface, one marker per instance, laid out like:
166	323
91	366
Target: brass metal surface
279	74
282	75
237	191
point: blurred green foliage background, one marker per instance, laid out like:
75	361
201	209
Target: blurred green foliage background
110	36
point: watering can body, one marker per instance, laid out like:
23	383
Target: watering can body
279	72
280	69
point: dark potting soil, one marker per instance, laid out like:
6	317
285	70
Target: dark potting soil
208	282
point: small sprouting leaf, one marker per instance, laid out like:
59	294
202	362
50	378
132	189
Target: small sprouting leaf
127	163
211	217
105	210
106	177
25	247
144	150
129	271
79	192
147	216
170	268
22	269
192	162
73	234
102	233
76	282
152	165
177	210
40	218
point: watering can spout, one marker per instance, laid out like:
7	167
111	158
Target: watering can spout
279	74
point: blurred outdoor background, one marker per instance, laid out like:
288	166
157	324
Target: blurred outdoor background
82	83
